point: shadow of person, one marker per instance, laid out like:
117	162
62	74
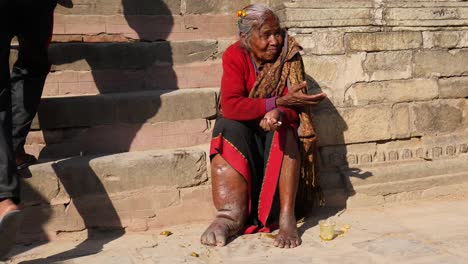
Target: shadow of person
132	99
336	167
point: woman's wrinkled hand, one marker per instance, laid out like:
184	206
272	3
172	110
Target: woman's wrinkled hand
295	97
272	120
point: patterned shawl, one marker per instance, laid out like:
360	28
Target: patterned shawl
288	70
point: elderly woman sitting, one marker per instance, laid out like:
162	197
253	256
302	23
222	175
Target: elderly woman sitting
263	137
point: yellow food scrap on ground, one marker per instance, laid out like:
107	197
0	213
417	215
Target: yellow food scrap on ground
345	228
195	255
270	236
165	233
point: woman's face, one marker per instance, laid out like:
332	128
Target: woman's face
266	42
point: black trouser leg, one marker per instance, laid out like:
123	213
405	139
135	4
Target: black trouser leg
31	68
9	187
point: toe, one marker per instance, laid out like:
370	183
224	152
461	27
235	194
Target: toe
220	238
292	243
287	243
211	239
280	243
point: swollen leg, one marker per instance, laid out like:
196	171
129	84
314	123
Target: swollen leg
230	197
288	182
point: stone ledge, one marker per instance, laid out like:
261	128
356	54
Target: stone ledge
128	55
157	77
76	177
136	107
117	138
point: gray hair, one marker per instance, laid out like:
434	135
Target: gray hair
255	17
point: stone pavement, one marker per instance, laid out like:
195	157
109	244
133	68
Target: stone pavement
431	231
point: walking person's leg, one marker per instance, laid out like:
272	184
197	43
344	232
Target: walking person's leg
30	71
9	185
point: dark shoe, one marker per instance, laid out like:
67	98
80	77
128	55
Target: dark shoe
9	224
24	160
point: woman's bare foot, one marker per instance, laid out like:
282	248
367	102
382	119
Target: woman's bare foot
287	236
220	231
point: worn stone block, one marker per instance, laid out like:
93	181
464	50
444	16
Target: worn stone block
388	65
139	107
83	176
128	7
392	91
325	17
454	87
322	42
441	116
441	39
380	41
440	63
139	55
426	16
334	73
353	125
214	6
400	125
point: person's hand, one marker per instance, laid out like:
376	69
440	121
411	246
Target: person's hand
272	120
295	97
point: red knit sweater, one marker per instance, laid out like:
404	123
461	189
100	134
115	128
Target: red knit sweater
237	82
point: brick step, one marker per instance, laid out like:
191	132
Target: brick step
157	77
129	55
125	108
117	138
115	27
136	191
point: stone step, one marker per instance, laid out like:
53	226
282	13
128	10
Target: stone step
129	55
405	170
393	181
114	27
125	108
136	191
157	77
117	138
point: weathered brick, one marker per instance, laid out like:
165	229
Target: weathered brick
128	7
441	39
380	41
442	116
66	38
454	87
214	6
388	65
105	38
426	16
196	206
392	91
440	63
400	125
335	73
325	17
322	42
353	125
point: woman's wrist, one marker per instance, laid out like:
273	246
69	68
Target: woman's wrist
279	101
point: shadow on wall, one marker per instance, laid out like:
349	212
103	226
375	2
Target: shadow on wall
129	63
336	166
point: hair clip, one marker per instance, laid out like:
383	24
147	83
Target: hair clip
241	13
